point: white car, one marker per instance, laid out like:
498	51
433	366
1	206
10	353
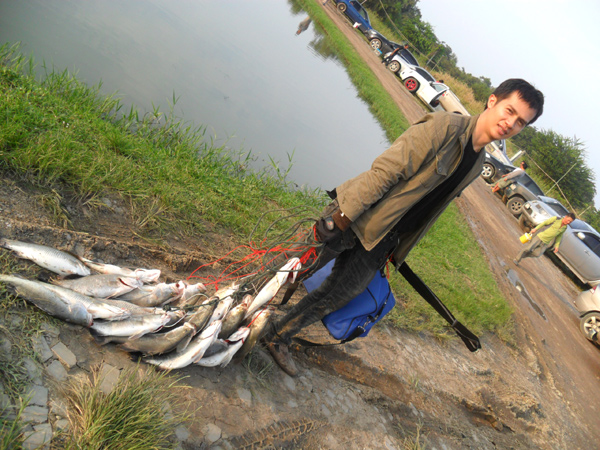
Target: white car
420	82
451	103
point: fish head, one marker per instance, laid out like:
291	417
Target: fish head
240	335
147	276
131	282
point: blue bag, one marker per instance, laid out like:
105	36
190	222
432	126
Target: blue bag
356	318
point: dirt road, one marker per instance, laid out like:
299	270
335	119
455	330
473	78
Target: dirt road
382	392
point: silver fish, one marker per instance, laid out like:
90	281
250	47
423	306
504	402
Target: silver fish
133	327
146	276
257	325
222	358
153	295
134	310
48	301
235	317
154	344
49	258
191	294
222	309
98	308
203	313
192	353
287	273
227	291
101	286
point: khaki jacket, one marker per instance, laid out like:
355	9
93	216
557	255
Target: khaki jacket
417	162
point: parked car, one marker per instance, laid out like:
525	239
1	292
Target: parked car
588	305
401	60
579	250
451	103
523	189
537	211
421	83
379	42
497	163
356	13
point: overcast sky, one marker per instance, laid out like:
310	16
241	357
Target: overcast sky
554	44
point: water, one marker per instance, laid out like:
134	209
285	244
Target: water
236	67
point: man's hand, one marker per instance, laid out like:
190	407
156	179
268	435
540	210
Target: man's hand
555	249
328	229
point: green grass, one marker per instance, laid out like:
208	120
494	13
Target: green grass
131	417
452	264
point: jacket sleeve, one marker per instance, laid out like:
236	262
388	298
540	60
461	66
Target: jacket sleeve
401	161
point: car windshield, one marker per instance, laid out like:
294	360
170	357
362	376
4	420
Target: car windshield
424	74
556	206
580	225
530	184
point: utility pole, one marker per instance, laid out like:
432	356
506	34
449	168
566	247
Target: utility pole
556	182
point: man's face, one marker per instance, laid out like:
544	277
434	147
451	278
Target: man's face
566	220
508	116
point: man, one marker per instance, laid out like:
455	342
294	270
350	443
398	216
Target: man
543	241
385	211
507	179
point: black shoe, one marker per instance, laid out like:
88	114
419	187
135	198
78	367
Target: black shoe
281	354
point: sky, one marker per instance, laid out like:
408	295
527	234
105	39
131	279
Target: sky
553	44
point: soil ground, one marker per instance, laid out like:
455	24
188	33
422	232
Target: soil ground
387	390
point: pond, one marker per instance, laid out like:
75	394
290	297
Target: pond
238	68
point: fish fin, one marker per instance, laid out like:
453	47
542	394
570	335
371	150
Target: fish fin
100	340
184	343
137	335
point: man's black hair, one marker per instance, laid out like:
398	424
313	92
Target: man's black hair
571	215
530	95
525	165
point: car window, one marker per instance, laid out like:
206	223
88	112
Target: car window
408	56
559	208
530	184
592	241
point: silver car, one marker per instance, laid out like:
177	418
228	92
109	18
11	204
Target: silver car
580	251
535	212
588	305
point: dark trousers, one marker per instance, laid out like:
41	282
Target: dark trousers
351	274
534	249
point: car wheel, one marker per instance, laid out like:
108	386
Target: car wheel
515	205
394	66
523	224
488	171
411	84
342	7
590	325
434	103
375	44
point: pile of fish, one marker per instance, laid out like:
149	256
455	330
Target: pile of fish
127	307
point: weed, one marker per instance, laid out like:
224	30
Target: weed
11	428
131	416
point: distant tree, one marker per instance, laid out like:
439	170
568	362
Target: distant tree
563	159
